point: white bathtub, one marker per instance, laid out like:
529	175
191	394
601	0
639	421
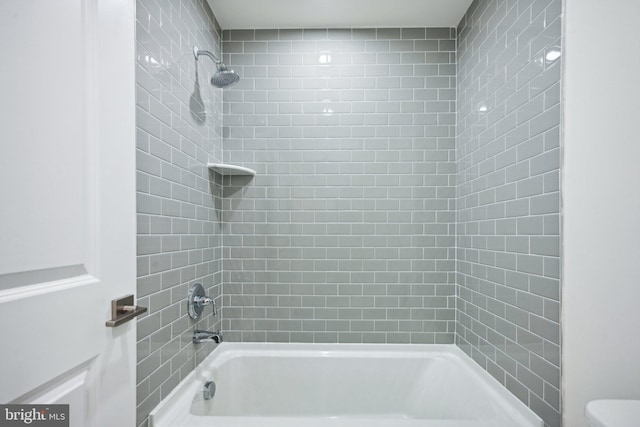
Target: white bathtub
340	385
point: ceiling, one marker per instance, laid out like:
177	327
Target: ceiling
270	14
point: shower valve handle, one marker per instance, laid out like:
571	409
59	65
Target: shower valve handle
197	301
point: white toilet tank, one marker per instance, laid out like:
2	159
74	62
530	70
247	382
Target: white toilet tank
613	413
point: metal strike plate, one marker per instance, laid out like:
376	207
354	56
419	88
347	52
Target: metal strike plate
122	310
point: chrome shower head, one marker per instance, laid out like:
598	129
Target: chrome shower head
223	77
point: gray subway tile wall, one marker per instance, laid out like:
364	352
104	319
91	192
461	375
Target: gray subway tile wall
508	157
407	189
179	130
347	232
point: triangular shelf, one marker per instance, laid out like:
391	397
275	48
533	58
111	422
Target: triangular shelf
224	169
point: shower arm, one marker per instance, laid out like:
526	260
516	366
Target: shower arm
197	52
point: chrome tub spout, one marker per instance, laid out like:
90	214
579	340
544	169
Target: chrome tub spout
206	336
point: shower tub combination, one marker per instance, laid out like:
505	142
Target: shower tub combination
340	385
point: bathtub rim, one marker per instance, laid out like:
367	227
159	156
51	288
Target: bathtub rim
173	405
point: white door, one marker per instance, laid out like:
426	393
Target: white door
67	206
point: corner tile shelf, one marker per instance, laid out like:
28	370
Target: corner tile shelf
224	169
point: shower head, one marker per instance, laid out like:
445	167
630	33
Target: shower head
223	77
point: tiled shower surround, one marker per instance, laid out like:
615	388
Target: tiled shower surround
407	189
179	130
508	245
346	234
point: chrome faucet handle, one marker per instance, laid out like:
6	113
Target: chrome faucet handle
204	301
197	300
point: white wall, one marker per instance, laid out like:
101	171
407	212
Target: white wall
601	192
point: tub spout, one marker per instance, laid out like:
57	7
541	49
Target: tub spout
206	336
